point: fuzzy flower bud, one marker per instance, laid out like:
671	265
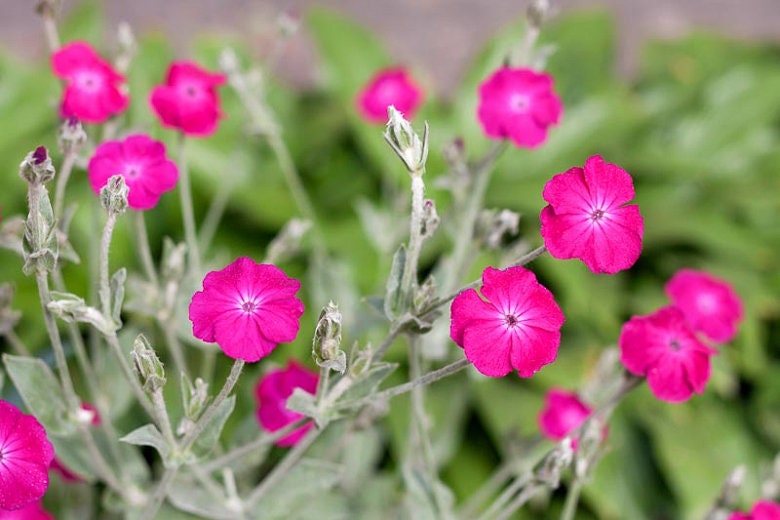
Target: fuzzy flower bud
538	12
493	225
430	219
405	142
113	196
71	135
327	338
148	365
36	168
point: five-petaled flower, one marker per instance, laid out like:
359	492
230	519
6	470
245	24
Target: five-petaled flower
519	104
517	325
710	304
588	217
563	412
762	510
388	87
25	455
94	91
272	392
247	309
662	347
142	162
188	101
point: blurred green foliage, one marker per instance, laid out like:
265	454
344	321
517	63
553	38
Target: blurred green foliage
698	128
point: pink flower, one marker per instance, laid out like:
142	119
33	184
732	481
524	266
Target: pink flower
271	393
517	325
709	304
247	309
389	87
188	101
93	89
587	217
762	510
32	511
25	455
519	104
663	348
141	161
563	412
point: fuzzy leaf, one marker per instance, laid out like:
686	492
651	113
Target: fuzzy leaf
148	435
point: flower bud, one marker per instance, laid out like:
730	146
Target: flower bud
148	365
405	142
113	196
36	168
71	135
538	12
492	225
430	219
327	338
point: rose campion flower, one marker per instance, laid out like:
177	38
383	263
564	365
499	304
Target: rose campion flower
663	348
588	217
563	412
515	325
388	87
32	511
710	304
247	309
25	455
272	392
762	510
519	104
142	162
93	91
188	101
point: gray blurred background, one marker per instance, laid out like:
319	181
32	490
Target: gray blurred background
437	36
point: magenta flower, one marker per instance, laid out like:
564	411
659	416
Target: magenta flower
710	304
142	162
517	325
25	455
518	104
32	511
588	217
663	348
188	101
247	309
563	412
389	87
762	510
94	91
271	393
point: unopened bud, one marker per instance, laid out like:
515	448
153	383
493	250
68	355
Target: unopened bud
405	142
327	339
424	295
492	225
288	22
430	219
195	398
36	168
71	135
538	12
113	196
148	365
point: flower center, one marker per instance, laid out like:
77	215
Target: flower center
249	306
133	171
674	344
88	81
511	321
519	103
597	215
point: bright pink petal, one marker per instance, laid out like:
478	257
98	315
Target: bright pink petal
533	348
463	309
562	413
609	185
272	392
487	344
72	57
387	87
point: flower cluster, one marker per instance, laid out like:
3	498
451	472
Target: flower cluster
667	346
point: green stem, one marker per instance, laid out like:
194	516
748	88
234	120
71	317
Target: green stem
144	249
409	277
131	377
187	211
104	290
63	175
16	343
572	499
281	469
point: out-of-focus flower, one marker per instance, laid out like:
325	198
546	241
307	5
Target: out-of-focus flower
710	304
142	162
272	392
662	347
519	104
563	412
25	455
517	325
247	309
188	101
588	217
94	91
762	510
388	87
